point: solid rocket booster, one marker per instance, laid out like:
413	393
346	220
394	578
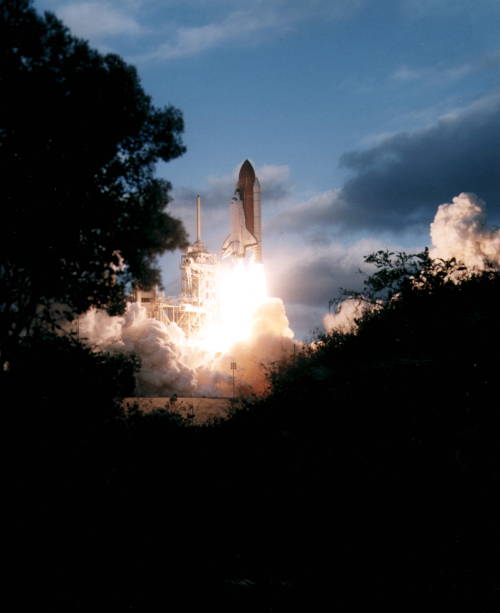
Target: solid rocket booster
239	239
245	216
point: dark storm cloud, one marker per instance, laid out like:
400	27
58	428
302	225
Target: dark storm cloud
402	180
398	183
316	282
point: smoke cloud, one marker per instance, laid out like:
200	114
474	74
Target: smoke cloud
459	231
172	363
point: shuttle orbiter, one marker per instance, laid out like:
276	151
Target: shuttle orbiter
245	216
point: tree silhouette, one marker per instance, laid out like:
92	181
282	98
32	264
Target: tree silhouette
369	476
82	213
385	441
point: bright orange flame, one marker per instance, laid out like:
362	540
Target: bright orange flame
241	288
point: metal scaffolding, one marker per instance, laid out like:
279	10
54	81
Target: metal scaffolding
197	302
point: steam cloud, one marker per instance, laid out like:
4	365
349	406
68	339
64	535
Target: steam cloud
459	231
170	363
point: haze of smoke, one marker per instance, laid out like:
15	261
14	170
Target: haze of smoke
459	231
170	363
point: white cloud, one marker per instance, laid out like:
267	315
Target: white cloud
433	75
250	24
420	9
440	73
170	37
236	26
407	74
480	105
97	20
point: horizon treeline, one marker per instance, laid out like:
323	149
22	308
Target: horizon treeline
367	477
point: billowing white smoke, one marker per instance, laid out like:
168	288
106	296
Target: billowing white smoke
459	231
164	366
170	363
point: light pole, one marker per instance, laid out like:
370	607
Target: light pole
233	368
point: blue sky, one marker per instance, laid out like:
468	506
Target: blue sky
360	116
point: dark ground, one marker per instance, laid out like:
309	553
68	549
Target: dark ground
367	479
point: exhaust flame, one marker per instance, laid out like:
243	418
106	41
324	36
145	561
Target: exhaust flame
241	288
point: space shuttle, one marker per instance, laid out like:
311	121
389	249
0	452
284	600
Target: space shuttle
245	233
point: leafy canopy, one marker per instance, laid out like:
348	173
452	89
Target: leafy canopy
79	140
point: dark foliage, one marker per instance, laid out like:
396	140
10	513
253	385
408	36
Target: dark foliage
401	429
79	140
367	479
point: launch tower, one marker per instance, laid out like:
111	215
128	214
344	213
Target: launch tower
197	301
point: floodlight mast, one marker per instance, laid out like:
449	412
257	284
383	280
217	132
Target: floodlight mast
198	218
